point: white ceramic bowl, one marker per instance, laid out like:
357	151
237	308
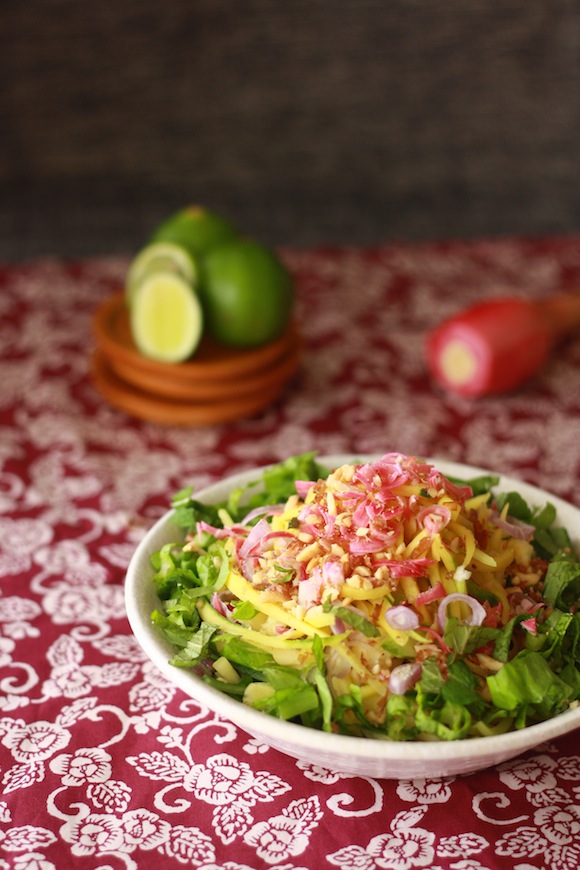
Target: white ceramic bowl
351	755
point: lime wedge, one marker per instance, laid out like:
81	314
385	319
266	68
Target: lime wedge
166	318
159	257
195	229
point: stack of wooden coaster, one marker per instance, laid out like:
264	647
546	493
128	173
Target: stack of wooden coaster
218	384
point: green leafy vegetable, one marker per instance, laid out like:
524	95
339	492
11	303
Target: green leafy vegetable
356	620
526	685
502	645
187	511
479	485
276	484
551	542
562	582
465	639
174	628
245	610
540	667
549	539
481	594
519	509
244	654
292	696
401	717
196	647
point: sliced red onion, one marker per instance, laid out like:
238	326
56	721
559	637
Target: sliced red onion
252	542
336	664
516	528
202	526
524	605
456	491
273	535
430	595
363	514
403	677
436	637
303	487
333	573
530	625
219	605
269	509
309	510
402	618
248	566
338	626
308	529
309	589
476	616
434	517
361	546
406	567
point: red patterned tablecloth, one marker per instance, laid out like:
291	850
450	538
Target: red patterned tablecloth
103	764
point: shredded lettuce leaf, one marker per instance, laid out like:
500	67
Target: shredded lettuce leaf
527	687
562	583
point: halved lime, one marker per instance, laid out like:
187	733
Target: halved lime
166	317
159	257
247	293
195	229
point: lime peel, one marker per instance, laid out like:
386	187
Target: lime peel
196	229
247	293
159	257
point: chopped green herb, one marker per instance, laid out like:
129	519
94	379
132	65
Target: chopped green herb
356	620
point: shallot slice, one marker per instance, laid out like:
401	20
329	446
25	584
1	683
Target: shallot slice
403	677
402	618
476	616
263	510
303	486
516	528
530	625
433	594
254	539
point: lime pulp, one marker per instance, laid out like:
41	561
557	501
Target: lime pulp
166	317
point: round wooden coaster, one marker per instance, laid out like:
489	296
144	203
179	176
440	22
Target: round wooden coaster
211	390
157	409
211	361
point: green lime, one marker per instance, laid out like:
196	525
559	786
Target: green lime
247	293
195	229
166	317
159	257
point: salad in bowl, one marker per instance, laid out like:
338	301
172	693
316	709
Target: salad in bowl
378	599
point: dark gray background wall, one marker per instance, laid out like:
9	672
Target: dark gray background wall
305	121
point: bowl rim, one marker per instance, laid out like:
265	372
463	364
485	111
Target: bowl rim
312	740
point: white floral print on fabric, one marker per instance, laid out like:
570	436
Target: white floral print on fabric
121	768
